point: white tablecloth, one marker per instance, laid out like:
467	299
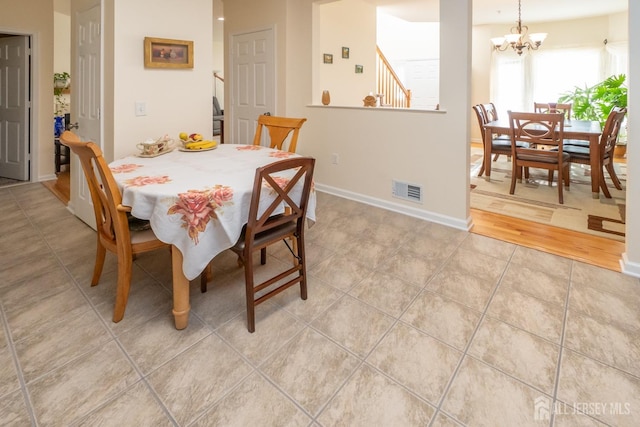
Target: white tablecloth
197	201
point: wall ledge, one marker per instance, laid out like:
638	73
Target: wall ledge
400	110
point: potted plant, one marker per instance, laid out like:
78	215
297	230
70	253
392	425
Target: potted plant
596	102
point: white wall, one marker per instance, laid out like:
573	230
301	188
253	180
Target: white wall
176	99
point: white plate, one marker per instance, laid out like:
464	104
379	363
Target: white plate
156	155
186	150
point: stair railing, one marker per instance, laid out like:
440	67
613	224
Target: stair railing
393	92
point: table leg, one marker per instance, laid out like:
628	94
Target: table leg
488	137
181	305
594	162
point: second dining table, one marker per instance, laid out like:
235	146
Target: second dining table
197	201
573	129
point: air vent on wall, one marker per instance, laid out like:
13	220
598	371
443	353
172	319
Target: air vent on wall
406	191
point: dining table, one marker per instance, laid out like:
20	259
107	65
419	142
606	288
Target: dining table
197	201
583	130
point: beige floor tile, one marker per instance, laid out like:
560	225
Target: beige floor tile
8	374
482	266
624	310
567	416
518	353
467	289
388	235
274	327
51	312
488	246
365	250
444	233
310	368
340	272
483	396
354	324
135	407
410	267
584	383
255	402
314	253
155	342
418	361
329	237
604	341
537	260
442	318
50	348
422	245
442	420
18	273
13	410
319	297
224	300
39	286
528	313
536	283
75	389
606	280
387	293
196	379
369	399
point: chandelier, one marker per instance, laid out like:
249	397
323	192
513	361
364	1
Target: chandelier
517	39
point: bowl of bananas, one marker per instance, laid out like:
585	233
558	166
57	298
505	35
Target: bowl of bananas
195	142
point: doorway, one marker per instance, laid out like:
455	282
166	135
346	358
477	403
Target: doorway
15	112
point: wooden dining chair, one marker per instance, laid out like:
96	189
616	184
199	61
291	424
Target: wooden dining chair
538	129
608	140
287	185
553	107
114	233
279	129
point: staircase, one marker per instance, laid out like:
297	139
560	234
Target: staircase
393	92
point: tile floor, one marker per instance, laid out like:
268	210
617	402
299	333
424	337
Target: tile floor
408	323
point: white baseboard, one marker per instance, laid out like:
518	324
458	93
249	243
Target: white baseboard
629	268
397	207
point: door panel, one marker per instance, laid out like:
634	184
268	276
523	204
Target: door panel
86	102
14	108
253	84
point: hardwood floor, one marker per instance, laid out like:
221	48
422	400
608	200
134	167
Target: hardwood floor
583	247
590	249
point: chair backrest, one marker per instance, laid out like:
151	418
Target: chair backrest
111	217
553	107
482	118
611	130
288	182
490	112
279	129
535	129
217	111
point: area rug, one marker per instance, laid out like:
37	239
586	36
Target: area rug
534	200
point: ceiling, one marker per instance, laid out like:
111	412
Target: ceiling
505	11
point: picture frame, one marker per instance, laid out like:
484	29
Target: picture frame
167	53
327	58
359	69
345	52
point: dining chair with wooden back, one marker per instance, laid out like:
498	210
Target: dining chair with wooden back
499	145
553	107
608	140
279	129
536	130
286	185
112	220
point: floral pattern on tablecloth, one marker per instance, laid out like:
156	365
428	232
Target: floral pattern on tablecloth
141	181
249	148
198	207
126	168
281	154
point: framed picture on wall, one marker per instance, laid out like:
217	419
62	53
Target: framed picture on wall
328	58
359	69
167	53
345	52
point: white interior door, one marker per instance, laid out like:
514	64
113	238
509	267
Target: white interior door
86	68
253	83
14	108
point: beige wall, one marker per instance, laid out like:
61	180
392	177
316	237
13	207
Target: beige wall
177	99
35	17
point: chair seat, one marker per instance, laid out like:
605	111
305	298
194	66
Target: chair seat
262	239
542	159
506	144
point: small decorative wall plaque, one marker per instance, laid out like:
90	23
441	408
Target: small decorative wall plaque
328	58
345	52
359	69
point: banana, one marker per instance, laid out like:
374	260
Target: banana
199	145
